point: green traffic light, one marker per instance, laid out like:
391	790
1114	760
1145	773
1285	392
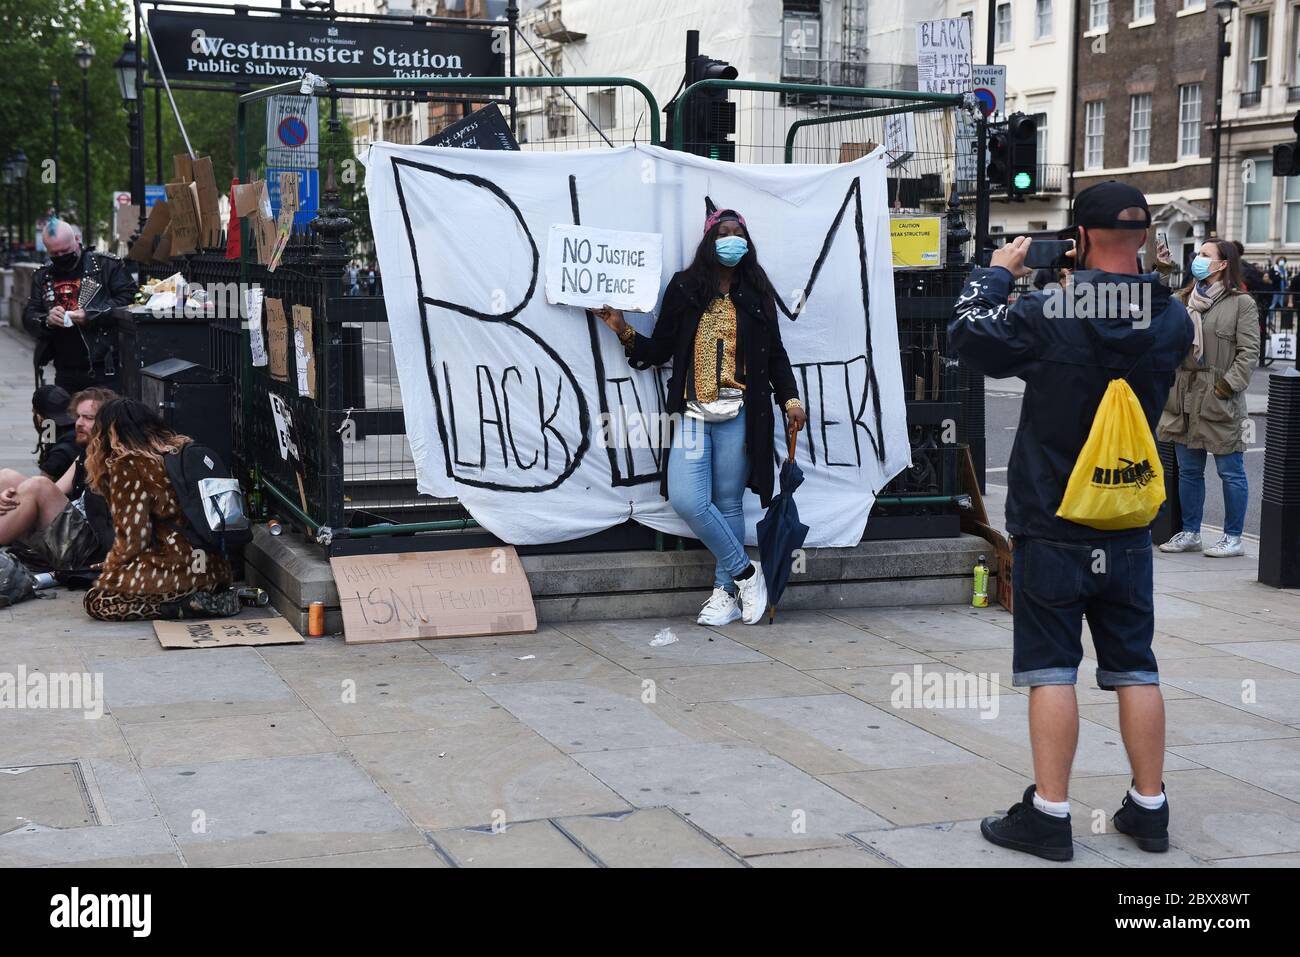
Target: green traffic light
1022	180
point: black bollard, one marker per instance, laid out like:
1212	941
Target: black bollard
1279	534
1169	520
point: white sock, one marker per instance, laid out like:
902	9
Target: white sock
1054	808
1150	803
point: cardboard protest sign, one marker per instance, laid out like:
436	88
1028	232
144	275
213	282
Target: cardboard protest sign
205	183
591	268
283	228
125	220
288	190
304	360
277	337
183	200
142	250
466	591
226	633
184	166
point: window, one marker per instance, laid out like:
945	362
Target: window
1256	52
600	104
1193	4
801	41
1290	210
1098	14
1094	134
1041	156
1002	33
1042	19
1139	129
1189	120
1144	9
1259	196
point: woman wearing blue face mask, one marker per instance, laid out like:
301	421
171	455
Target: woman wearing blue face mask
1206	411
718	325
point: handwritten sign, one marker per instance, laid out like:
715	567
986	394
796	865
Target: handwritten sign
225	633
943	56
591	268
304	360
253	309
283	419
277	335
466	591
484	129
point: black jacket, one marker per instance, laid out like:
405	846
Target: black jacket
1067	363
767	367
54	459
81	348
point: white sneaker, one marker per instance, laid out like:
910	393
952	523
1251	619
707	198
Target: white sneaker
1229	546
720	609
1183	542
752	595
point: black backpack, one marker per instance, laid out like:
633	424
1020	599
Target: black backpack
216	515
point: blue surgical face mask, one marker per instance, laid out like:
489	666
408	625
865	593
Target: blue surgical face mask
1201	267
731	249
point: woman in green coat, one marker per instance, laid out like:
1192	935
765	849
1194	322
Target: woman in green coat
1206	411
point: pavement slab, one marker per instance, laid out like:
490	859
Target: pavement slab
648	837
526	844
461	774
1198	721
270	809
744	797
628	643
960	844
162	743
762	679
193	683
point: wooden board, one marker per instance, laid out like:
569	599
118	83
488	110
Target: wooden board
225	632
463	592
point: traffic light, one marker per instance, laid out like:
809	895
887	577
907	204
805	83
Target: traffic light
710	118
999	158
1022	133
1286	156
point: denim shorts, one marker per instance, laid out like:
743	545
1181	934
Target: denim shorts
1055	584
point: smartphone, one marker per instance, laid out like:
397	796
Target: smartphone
1049	254
1163	239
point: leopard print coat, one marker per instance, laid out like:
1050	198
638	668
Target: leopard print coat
150	557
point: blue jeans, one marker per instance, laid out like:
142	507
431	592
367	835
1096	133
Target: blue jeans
707	469
1191	488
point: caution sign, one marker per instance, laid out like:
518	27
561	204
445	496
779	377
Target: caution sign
292	132
917	241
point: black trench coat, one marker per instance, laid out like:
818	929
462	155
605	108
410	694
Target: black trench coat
768	374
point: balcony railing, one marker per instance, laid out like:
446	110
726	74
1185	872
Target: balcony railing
1052	179
1292	94
1249	98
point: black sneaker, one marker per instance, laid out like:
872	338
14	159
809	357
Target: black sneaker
1025	828
1149	828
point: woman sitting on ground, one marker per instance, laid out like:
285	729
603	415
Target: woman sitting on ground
152	571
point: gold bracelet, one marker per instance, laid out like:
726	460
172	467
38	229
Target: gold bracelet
627	335
793	404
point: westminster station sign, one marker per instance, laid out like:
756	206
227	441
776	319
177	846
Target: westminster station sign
260	49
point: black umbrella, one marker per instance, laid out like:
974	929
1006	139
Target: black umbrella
780	532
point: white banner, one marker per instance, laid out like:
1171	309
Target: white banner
509	400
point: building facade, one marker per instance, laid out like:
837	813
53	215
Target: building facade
1260	102
1144	107
1034	40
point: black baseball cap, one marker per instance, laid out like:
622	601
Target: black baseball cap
51	402
1100	206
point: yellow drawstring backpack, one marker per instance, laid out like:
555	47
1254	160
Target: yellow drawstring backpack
1117	481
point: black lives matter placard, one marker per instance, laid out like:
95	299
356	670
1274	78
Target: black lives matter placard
272	49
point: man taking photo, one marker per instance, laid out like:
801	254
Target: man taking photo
1064	571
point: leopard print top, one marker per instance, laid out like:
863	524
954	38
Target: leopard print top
149	555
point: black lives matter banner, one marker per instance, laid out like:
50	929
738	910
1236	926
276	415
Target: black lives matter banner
257	49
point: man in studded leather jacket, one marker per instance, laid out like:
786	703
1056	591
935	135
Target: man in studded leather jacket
70	308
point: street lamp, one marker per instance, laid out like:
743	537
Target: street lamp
86	53
54	101
127	67
1224	9
20	174
8	176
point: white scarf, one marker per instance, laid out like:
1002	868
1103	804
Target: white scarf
1199	303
